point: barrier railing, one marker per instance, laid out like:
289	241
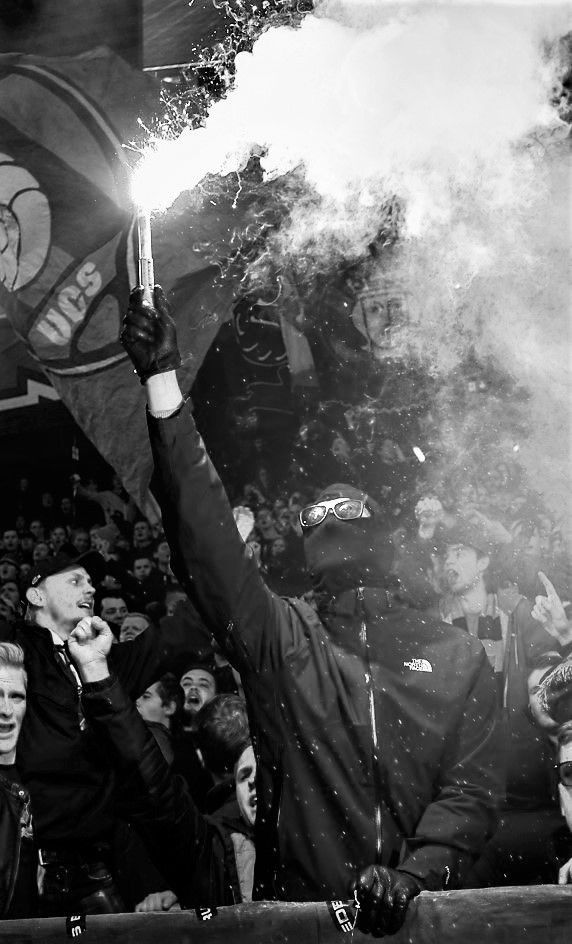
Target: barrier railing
540	914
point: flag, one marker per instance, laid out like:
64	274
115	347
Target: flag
67	248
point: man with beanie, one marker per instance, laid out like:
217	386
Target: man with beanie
374	726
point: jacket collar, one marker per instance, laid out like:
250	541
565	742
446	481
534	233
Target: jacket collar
368	602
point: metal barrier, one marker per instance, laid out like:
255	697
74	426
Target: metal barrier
539	914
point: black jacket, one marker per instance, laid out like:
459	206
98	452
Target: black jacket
193	852
13	800
374	726
61	764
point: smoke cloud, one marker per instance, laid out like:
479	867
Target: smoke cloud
448	109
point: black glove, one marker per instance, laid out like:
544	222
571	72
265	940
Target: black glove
384	895
149	335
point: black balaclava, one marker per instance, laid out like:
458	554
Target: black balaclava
342	555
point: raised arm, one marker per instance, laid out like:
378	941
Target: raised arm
209	558
148	794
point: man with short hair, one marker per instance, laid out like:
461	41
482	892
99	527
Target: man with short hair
18	888
68	776
150	585
522	850
132	625
199	687
11	543
80	540
113	609
142	540
374	726
37	529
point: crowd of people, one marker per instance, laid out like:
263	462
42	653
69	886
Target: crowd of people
283	697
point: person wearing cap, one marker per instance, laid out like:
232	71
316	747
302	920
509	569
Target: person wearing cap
484	601
68	776
374	726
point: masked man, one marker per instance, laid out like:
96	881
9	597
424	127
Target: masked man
374	727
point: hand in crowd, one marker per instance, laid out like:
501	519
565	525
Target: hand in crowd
549	611
244	518
159	901
429	512
149	335
90	641
383	895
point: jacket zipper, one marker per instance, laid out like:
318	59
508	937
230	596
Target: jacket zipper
66	661
372	722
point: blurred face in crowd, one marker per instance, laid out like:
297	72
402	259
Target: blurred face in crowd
173	600
27	543
66	505
58	537
11	590
113	609
80	540
142	568
199	687
245	780
8	571
37	530
565	791
278	547
94	538
151	707
463	567
132	626
283	521
7	609
12	710
163	553
141	533
63	599
508	596
11	540
25	570
40	552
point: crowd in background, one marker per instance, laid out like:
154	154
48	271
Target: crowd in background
500	522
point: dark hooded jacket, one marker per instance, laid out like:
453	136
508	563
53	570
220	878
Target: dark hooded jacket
374	726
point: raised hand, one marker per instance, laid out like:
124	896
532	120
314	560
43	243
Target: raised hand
159	901
149	335
89	644
549	611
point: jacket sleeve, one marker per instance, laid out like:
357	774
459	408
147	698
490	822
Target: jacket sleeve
454	828
148	794
252	625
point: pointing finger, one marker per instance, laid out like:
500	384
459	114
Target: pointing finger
548	586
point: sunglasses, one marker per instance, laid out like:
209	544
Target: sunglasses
345	509
564	772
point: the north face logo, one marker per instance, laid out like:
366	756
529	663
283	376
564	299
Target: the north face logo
419	665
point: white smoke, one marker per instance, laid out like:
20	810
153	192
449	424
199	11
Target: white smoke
446	107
